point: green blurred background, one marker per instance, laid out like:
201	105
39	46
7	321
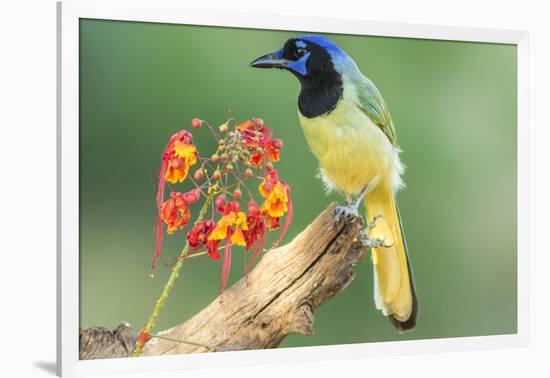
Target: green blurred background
454	106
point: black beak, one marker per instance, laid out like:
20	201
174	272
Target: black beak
269	61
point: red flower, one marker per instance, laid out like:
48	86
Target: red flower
260	141
256	158
174	212
251	133
272	148
213	248
272	222
256	233
256	226
198	235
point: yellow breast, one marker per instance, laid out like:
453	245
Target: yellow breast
352	151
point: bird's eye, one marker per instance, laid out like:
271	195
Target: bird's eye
300	52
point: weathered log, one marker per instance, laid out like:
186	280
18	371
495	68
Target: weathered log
279	299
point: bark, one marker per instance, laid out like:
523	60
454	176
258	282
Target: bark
279	299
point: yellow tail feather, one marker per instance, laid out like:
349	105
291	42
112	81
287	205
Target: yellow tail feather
394	287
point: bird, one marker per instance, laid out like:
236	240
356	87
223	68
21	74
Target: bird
349	129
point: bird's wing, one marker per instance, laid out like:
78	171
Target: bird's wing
372	103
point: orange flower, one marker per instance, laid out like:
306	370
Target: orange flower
229	228
273	148
233	218
174	212
256	158
267	184
184	156
276	202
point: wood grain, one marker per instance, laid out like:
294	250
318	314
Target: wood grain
280	296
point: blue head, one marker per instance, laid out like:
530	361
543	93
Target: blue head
319	65
306	56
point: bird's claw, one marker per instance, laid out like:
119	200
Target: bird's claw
345	213
370	243
377	243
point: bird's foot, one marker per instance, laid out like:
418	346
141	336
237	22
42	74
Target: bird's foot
345	213
350	210
370	243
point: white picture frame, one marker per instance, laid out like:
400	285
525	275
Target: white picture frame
165	11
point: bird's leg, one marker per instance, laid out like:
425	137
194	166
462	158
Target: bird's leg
361	197
351	209
349	200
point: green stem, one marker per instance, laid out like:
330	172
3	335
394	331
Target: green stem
172	279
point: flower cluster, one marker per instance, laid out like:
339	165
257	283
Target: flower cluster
230	215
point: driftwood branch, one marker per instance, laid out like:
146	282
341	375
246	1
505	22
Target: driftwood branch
282	292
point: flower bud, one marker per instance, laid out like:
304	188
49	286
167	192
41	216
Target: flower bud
221	147
215	158
196	123
234	205
224	157
277	143
217	174
229	168
248	173
237	193
199	174
223	128
191	196
269	166
220	201
259	122
253	208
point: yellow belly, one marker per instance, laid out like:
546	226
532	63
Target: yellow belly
352	151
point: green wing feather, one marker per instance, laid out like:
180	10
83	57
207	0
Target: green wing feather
372	103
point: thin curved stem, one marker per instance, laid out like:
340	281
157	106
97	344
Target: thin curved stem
171	280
